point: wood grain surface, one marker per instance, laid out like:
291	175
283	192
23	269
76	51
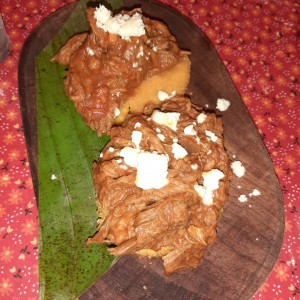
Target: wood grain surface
249	234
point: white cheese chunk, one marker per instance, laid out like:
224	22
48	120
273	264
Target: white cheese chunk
90	51
140	53
189	130
178	151
137	125
255	193
238	168
211	135
161	137
117	112
124	25
201	118
210	183
211	178
162	96
194	166
102	14
130	156
242	198
222	104
168	119
136	137
53	177
152	170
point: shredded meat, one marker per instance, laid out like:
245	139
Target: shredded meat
171	222
100	73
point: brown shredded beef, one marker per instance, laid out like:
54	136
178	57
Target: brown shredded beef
171	222
98	83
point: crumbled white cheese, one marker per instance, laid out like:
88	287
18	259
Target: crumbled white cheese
117	112
53	177
243	198
158	130
123	167
175	140
135	64
161	137
124	25
102	14
136	137
211	178
168	119
194	166
90	51
201	118
111	149
237	168
178	151
152	170
189	130
154	48
118	161
197	140
140	53
162	96
255	193
208	152
222	104
211	135
210	183
130	156
101	155
137	125
118	94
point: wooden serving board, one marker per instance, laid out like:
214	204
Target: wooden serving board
249	234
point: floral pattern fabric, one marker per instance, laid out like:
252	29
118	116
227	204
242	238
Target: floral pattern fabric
259	43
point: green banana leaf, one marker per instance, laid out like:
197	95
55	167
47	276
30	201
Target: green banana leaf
66	151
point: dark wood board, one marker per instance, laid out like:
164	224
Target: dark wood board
249	234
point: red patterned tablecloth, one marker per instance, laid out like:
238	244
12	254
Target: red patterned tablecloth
259	43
